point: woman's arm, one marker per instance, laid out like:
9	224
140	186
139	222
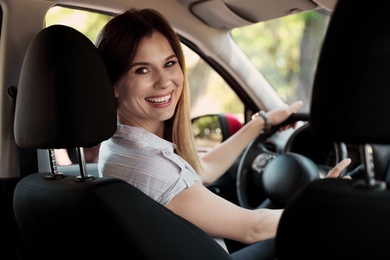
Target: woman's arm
218	160
221	218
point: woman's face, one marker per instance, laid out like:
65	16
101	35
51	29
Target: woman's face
148	93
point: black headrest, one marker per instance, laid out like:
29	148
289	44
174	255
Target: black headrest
351	92
65	97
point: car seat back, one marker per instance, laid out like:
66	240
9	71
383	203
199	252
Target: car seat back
338	218
65	99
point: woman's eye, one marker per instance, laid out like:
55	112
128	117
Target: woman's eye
170	63
141	71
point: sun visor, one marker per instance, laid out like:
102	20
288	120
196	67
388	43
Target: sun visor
232	13
224	18
326	4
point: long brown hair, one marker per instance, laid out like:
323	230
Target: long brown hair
118	43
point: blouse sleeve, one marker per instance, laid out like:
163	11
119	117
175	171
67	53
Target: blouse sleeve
159	174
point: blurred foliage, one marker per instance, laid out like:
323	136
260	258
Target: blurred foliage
89	23
207	126
207	132
209	91
276	48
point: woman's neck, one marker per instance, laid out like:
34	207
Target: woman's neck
153	127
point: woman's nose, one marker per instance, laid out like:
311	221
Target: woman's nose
162	80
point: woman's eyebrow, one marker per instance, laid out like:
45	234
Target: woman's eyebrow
141	63
171	57
144	63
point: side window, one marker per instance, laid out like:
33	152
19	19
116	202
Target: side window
87	22
216	110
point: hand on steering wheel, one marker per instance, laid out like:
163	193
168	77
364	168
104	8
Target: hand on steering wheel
285	173
337	171
280	114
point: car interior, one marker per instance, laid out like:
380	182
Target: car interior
58	206
57	211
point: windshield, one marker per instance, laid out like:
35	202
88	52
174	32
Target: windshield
285	51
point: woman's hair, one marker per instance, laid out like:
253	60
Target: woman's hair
118	43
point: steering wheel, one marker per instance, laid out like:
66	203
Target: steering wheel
274	177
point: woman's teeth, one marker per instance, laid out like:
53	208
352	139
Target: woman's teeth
159	100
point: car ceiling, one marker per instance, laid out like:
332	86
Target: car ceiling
235	13
226	14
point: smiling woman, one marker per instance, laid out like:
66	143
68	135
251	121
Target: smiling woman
153	148
205	98
151	87
206	85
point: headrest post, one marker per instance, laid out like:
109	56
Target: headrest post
53	166
368	161
83	168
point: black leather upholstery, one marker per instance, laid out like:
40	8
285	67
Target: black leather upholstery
333	219
337	218
64	93
350	99
103	219
64	100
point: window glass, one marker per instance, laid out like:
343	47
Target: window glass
212	100
285	51
89	23
208	88
206	85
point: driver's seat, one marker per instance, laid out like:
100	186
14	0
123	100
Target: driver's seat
65	99
338	218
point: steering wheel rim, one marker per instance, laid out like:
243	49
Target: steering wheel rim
256	148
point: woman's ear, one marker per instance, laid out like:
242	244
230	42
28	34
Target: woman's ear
116	93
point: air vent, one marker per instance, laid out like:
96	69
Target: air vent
271	147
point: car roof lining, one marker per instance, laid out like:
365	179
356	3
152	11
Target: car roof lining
227	14
230	14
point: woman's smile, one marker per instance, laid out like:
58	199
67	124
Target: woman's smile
160	100
149	92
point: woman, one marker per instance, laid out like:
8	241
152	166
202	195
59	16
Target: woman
153	148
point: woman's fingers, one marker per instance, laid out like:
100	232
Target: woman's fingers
280	114
296	106
335	172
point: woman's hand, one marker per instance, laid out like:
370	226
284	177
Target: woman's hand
280	114
335	172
